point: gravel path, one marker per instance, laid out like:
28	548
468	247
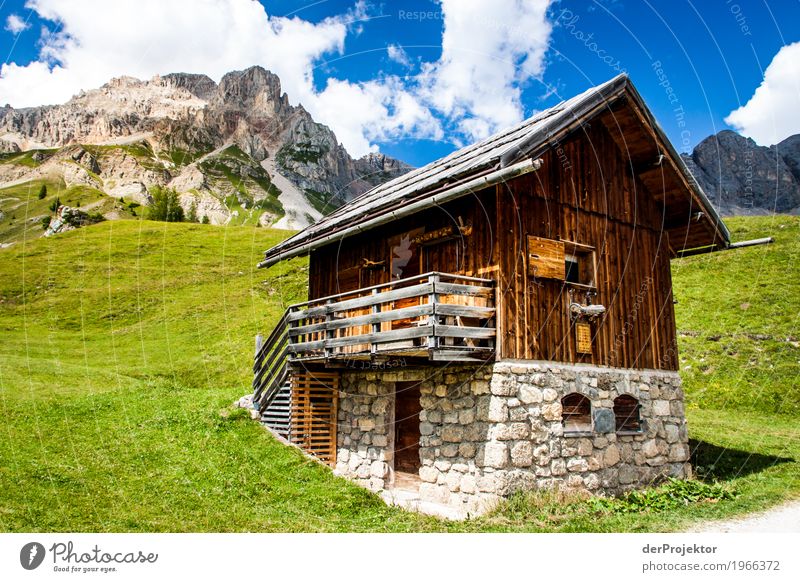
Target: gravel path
782	519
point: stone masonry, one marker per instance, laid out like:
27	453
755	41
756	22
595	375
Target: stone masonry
488	431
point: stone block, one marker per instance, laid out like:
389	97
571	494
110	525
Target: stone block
468	484
443	465
466	416
585	447
449	450
650	448
558	467
604	421
627	475
466	450
378	469
452	433
366	424
425	428
678	453
495	454
522	454
510	432
529	394
661	408
503	386
551	411
498	410
428	474
577	465
611	455
453	481
549	395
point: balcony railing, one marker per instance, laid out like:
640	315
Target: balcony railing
438	316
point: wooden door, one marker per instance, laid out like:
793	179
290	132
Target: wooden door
406	427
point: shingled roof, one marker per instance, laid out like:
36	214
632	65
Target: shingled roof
502	150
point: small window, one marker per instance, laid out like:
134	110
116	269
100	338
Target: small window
579	264
561	260
626	412
576	413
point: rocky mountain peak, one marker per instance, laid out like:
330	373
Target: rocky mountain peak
233	148
741	177
201	86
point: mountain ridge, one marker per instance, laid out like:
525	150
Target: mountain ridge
741	177
166	127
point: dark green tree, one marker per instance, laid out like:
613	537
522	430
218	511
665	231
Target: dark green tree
54	205
165	205
192	213
42	191
206	220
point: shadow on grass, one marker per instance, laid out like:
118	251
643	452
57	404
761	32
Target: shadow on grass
712	462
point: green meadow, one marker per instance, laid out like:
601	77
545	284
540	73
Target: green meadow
124	344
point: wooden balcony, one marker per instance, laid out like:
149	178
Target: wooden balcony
435	316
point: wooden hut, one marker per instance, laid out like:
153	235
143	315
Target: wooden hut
501	318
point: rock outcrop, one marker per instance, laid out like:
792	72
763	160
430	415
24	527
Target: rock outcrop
178	130
741	177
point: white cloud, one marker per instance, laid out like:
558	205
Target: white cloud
15	24
771	113
489	51
375	111
398	55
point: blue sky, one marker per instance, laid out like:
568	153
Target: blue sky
416	79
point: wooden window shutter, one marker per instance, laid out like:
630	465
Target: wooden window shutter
546	258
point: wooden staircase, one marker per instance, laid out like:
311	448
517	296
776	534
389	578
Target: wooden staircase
272	380
297	403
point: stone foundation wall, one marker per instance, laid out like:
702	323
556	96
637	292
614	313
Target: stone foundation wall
489	431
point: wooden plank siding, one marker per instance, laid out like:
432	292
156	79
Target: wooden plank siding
587	193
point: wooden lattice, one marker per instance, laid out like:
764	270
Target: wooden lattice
314	408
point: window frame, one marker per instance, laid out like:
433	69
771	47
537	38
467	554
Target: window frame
586	258
623	430
584	429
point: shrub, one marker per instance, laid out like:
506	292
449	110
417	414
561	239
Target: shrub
165	205
42	191
671	495
192	213
205	220
45	222
54	205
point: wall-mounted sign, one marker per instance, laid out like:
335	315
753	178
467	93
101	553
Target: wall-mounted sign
583	337
441	235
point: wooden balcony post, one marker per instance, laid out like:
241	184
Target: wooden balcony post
328	333
433	319
376	327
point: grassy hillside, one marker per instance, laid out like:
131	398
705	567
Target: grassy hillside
21	209
123	345
739	320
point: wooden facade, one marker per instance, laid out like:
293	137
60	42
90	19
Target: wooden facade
585	198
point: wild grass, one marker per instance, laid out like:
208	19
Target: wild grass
124	344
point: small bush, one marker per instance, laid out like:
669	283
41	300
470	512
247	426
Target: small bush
54	205
673	494
205	220
45	222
